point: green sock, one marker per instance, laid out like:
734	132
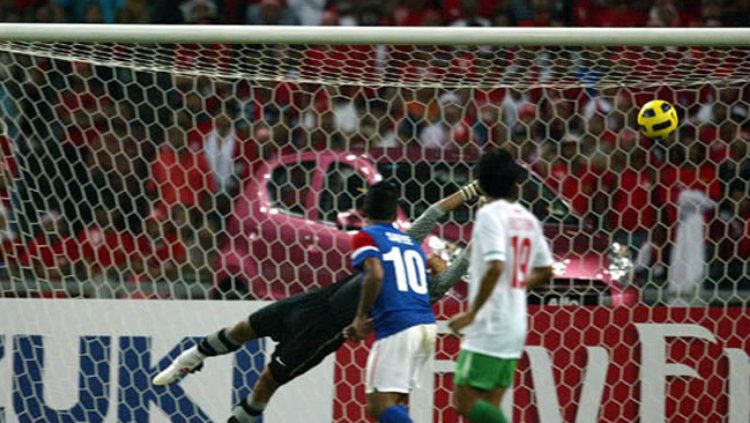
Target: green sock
484	412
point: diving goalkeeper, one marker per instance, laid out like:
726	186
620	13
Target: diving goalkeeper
308	327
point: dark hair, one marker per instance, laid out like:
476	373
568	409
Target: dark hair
381	201
498	174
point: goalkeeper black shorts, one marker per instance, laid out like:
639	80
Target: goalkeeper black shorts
304	329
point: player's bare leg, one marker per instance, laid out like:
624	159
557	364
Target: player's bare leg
253	406
388	407
225	341
478	405
242	332
494	396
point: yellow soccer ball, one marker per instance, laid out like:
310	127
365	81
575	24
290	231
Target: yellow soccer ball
657	119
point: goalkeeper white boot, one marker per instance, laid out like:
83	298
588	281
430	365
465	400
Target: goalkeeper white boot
189	361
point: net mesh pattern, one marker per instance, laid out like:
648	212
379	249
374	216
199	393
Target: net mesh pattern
235	172
420	66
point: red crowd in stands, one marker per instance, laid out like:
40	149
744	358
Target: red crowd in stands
667	13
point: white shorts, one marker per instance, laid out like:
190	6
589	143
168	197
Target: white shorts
395	361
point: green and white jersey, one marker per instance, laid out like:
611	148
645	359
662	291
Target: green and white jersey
508	232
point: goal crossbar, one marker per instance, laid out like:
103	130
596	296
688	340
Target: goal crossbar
97	33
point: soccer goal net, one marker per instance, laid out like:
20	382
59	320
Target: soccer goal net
152	174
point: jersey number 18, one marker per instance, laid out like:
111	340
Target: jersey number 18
409	268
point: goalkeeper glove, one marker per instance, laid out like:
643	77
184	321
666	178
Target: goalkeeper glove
471	191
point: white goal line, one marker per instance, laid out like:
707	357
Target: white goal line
259	34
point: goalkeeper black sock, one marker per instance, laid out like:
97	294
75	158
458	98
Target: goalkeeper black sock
217	344
247	411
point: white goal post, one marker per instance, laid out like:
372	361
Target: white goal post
260	34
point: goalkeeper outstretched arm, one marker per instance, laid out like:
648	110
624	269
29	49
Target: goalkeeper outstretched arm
444	281
427	220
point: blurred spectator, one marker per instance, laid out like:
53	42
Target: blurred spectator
8	171
93	11
8	165
106	249
512	104
711	14
470	15
489	130
632	215
199	11
412	12
688	256
432	18
729	236
450	130
53	253
115	176
378	125
572	177
734	172
181	176
8	239
309	12
688	167
663	13
372	13
134	12
230	156
167	253
271	12
345	113
345	11
93	14
521	11
537	13
227	154
329	18
50	11
262	136
168	12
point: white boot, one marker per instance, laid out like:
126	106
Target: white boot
189	361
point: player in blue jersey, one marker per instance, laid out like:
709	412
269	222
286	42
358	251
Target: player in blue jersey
394	297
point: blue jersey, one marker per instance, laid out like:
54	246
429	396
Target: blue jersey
403	301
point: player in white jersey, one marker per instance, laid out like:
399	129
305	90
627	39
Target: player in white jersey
509	254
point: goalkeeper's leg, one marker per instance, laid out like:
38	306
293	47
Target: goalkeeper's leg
251	408
225	341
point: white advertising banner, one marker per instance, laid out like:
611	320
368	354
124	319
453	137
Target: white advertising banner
92	360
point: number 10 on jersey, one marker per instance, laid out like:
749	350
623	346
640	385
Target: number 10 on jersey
409	268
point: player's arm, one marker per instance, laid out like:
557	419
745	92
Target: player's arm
371	285
372	282
366	256
487	285
541	263
488	282
444	281
539	276
427	220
